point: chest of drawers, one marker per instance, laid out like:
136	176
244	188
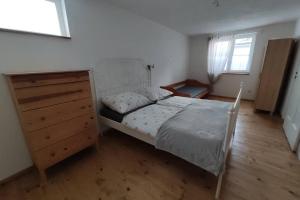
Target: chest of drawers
56	112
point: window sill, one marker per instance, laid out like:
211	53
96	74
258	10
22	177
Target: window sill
236	73
33	33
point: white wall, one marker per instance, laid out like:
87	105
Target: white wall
198	57
297	29
228	84
98	31
298	152
297	64
296	67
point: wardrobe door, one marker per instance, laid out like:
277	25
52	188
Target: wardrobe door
274	68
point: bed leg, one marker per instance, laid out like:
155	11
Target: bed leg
220	178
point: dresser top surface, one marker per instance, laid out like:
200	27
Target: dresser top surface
16	73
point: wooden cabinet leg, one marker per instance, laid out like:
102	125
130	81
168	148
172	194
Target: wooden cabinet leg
97	145
43	177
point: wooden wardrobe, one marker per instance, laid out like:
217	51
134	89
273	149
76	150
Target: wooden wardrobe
56	111
276	63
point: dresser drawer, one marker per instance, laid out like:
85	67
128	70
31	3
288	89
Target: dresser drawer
33	80
47	136
59	151
38	97
44	117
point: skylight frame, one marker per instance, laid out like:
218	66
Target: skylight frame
63	23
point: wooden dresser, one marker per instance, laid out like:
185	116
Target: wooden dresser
57	114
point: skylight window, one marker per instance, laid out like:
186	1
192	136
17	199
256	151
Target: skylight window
34	16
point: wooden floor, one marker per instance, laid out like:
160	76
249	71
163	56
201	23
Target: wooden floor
261	167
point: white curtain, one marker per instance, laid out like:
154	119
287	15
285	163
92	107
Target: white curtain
218	53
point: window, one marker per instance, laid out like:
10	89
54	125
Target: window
240	56
34	16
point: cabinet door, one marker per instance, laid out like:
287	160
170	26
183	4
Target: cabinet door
291	124
274	68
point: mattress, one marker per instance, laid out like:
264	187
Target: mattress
111	114
116	116
149	119
193	91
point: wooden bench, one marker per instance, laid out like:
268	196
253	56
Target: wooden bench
188	88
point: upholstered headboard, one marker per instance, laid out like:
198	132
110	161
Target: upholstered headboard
115	75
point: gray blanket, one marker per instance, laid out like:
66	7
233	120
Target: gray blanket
197	134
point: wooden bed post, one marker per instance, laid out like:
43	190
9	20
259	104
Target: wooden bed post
233	113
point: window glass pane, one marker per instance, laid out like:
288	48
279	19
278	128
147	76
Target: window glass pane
40	16
242	50
241	54
239	63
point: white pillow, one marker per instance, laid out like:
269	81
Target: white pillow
125	102
155	94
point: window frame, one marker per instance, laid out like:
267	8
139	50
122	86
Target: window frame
63	23
228	69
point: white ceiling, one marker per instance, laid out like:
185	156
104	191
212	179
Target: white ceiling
201	16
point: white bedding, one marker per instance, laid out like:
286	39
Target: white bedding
149	119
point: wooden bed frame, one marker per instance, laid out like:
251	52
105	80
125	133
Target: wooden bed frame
233	113
188	82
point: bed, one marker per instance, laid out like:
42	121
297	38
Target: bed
160	117
168	123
